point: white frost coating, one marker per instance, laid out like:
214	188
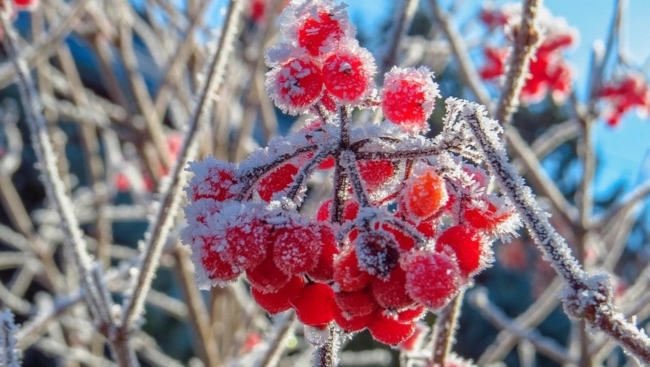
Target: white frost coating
9	354
587	296
317	336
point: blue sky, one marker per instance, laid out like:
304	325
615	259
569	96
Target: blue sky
622	150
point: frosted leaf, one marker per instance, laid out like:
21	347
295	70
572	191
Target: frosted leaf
317	336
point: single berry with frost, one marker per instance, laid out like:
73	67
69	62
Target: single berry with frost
408	97
295	85
348	73
432	278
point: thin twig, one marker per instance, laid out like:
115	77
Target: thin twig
171	195
596	308
526	42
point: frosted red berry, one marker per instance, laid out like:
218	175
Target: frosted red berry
348	74
390	292
466	246
432	278
377	252
295	85
245	242
280	300
266	277
324	269
388	330
350	210
315	304
487	217
375	173
212	179
347	273
408	97
317	31
351	323
425	194
296	247
215	267
410	314
357	303
276	181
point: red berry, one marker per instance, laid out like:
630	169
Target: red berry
377	253
347	273
315	305
348	74
282	299
350	211
358	303
432	278
390	292
465	245
414	341
408	97
375	173
351	323
425	194
324	270
316	32
488	217
296	247
410	314
266	277
388	330
403	240
245	243
215	267
328	102
212	179
276	181
296	85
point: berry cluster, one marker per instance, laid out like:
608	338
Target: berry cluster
408	223
628	92
548	71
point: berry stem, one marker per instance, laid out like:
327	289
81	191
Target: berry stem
527	42
305	172
251	177
444	330
326	355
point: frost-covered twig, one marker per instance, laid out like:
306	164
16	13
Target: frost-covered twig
326	355
479	299
445	330
587	297
44	48
9	354
527	40
539	176
171	195
54	186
